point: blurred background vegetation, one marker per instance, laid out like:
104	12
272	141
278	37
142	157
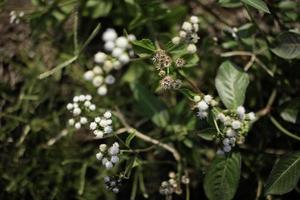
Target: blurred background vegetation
41	159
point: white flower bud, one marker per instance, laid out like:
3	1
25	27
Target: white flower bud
196	29
107	114
194	19
230	133
77	125
213	103
114	150
221	117
202	114
124	58
102	91
108	165
82	97
103	147
122	42
92	107
109	122
83	120
226	141
191	48
114	159
117	64
109	46
109	35
69	106
117	52
98	133
182	34
75	99
87	103
131	37
227	148
220	152
202	105
97	81
176	40
99	156
98	70
100	57
207	99
236	124
115	190
110	80
71	122
77	111
97	119
107	66
240	110
93	125
187	26
88	75
251	116
107	129
88	97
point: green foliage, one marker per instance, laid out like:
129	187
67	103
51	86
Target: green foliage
258	4
222	178
231	84
284	175
288	45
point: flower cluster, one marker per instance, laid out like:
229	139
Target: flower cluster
171	186
163	62
188	34
203	104
15	17
119	53
108	156
79	107
235	125
168	83
112	183
102	125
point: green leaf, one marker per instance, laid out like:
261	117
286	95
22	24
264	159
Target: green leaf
284	175
207	134
129	138
144	46
222	178
258	4
291	111
231	84
149	105
287	45
96	8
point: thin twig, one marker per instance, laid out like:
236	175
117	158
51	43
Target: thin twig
283	130
266	110
146	138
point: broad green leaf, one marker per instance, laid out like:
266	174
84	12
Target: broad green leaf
231	84
144	46
222	178
230	3
96	8
291	111
258	4
149	105
288	45
284	175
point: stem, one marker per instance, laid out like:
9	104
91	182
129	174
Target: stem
267	108
283	130
146	138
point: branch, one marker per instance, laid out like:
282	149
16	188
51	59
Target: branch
146	138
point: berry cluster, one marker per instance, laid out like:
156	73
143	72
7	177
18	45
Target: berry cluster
79	108
203	104
108	156
235	125
119	52
188	34
102	125
168	83
112	183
